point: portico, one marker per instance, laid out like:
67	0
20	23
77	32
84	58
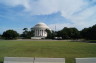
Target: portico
40	33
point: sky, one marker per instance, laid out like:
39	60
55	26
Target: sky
19	14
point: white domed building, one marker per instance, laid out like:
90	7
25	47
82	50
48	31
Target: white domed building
40	31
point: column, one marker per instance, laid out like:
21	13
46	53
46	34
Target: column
42	32
38	32
35	32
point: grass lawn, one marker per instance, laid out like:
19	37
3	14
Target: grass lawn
50	49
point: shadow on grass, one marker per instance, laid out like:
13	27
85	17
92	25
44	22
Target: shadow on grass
86	41
1	62
91	41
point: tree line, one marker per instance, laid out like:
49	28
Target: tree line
65	33
12	34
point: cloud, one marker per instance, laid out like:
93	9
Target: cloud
43	7
13	3
79	12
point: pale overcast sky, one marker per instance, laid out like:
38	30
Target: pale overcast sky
19	14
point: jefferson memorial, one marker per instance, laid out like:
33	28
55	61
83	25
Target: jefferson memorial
40	31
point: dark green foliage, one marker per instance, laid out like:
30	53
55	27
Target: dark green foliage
65	33
0	36
68	33
27	34
89	33
50	34
25	29
10	34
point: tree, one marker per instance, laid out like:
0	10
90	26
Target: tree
50	34
25	29
27	34
89	33
74	33
62	33
93	32
10	34
84	33
0	36
68	33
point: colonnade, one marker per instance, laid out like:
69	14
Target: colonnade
40	33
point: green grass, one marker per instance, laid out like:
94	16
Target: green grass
50	49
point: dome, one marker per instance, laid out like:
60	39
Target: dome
41	26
